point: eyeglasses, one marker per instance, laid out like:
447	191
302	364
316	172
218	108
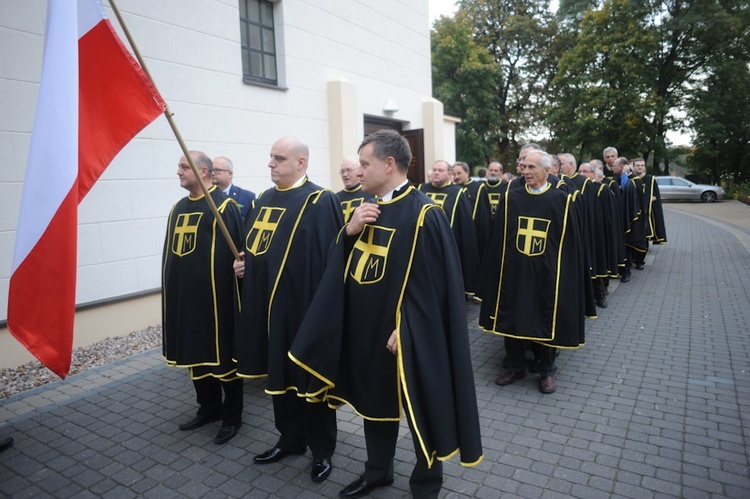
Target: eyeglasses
348	171
219	170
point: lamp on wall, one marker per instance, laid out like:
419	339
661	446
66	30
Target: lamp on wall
390	107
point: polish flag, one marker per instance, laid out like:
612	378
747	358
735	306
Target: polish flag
93	99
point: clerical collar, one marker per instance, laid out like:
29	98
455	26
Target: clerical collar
541	189
226	191
389	196
296	184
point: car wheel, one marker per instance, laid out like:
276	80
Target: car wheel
708	197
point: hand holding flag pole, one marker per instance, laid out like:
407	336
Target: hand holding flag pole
168	113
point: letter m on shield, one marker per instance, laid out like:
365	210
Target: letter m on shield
185	233
531	239
370	254
264	226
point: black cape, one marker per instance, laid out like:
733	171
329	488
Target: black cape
495	192
656	231
635	222
481	212
401	273
455	203
350	199
534	275
286	246
199	289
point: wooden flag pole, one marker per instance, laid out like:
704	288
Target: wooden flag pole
168	113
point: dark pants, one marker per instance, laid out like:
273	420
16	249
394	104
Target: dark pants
208	393
380	438
637	257
304	424
515	351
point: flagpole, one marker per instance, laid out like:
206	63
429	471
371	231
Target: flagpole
168	114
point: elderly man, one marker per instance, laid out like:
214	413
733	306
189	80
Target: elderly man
352	194
455	203
199	302
391	338
222	176
495	184
533	286
610	155
289	231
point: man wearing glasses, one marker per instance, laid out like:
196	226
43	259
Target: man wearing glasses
221	176
352	194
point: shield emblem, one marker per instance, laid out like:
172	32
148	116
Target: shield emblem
348	207
185	235
264	226
438	197
494	201
370	254
531	239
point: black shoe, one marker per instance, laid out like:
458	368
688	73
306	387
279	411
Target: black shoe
360	488
602	302
6	443
624	278
198	421
639	266
226	434
277	454
321	469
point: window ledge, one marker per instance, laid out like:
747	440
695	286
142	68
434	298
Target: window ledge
265	85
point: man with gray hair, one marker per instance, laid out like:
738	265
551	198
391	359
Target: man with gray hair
533	285
222	176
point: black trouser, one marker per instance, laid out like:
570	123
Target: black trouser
304	424
380	438
208	393
515	350
637	257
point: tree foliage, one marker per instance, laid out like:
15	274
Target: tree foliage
599	73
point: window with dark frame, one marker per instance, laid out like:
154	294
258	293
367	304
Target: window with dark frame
258	42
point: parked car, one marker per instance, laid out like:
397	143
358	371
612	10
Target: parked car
677	188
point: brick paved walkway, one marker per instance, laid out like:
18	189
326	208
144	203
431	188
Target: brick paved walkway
657	404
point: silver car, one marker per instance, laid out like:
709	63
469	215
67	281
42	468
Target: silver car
677	188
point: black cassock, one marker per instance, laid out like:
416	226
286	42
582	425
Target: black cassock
401	272
350	199
289	233
454	201
199	289
534	275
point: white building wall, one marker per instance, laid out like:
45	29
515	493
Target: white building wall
192	49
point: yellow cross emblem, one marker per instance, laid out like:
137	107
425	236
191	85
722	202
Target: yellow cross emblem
438	197
494	201
186	233
371	254
531	239
264	226
348	207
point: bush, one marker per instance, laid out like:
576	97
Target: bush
739	191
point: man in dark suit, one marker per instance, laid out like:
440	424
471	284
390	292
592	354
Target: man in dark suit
222	178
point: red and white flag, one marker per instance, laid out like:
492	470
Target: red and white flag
93	99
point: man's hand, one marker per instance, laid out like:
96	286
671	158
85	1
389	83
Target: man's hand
392	344
366	213
239	266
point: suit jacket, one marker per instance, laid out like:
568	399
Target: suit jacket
244	198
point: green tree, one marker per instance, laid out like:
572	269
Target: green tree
719	118
464	79
521	38
603	94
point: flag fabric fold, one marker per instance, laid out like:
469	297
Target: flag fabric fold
93	99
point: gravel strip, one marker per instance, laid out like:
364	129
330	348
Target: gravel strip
34	374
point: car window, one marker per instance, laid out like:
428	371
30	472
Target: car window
679	182
663	181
